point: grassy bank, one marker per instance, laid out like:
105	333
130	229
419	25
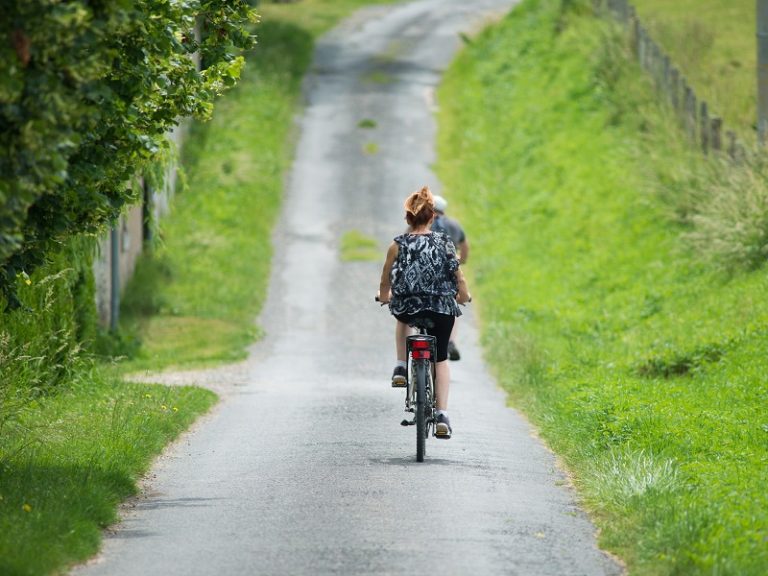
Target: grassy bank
638	356
195	300
713	43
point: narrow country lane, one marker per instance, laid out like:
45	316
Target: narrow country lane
303	468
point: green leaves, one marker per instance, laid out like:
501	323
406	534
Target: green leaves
87	92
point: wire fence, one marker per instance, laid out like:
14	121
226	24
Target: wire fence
701	124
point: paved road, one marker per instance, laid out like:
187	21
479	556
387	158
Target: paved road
303	468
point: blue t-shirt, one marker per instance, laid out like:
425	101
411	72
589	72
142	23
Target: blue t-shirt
450	228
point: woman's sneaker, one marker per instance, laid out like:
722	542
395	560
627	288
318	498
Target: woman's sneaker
443	427
399	377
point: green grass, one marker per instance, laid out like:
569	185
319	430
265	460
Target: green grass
378	77
194	301
357	247
642	364
68	459
713	43
315	16
367	123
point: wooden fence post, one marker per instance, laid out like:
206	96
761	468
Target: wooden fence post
651	53
704	126
716	139
633	31
674	79
689	109
642	46
114	277
694	113
731	135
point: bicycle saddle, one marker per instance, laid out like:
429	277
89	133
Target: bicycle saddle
425	323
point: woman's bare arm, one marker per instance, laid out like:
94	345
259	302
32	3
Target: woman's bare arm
463	251
384	285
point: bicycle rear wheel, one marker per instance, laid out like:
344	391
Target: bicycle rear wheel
421	404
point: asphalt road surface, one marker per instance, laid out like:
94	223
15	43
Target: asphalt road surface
303	468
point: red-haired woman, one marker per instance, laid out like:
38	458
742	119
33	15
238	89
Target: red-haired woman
422	278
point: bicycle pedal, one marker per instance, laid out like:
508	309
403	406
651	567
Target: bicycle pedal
398	384
406	422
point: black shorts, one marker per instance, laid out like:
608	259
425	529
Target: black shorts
442	324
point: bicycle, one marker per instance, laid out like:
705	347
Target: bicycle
421	350
420	392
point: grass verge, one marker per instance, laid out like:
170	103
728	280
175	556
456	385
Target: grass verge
641	364
194	301
357	247
68	459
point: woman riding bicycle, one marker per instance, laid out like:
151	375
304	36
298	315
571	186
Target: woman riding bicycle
422	279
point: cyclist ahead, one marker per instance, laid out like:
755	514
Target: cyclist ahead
421	278
455	232
451	228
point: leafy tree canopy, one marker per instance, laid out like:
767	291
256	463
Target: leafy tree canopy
88	89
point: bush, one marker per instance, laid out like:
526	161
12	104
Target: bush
88	92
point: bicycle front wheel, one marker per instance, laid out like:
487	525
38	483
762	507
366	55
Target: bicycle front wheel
421	405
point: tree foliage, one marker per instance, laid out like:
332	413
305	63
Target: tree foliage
88	89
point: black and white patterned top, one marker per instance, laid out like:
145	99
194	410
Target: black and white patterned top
423	275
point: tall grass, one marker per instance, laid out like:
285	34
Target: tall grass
41	342
642	364
730	224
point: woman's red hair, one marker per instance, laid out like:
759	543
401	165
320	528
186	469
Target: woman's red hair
419	207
